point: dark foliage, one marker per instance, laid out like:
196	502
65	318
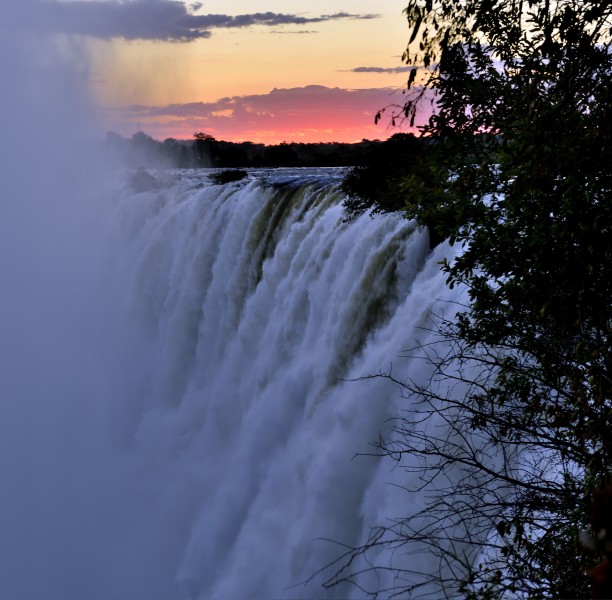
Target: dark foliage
523	139
376	182
204	151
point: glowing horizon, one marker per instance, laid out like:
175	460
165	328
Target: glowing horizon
321	114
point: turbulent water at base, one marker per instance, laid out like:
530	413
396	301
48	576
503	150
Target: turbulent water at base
213	453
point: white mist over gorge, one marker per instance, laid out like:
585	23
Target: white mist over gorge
179	410
197	437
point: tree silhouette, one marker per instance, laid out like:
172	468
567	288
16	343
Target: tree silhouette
522	129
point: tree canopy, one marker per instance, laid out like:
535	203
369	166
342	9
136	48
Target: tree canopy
522	92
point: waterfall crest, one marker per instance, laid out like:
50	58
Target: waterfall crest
256	305
230	325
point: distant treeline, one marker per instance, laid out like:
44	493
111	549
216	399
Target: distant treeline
204	150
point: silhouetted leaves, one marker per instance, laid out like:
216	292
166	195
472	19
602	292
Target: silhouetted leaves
523	157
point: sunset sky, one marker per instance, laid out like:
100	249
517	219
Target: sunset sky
266	70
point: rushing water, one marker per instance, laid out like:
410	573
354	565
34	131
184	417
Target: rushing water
195	432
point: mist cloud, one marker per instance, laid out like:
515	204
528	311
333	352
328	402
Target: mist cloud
161	20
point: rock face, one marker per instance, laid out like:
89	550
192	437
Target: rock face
143	181
227	176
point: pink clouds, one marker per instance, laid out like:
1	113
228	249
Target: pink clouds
306	114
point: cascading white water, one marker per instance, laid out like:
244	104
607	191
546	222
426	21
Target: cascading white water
181	415
177	411
241	316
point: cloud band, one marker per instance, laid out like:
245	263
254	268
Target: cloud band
162	20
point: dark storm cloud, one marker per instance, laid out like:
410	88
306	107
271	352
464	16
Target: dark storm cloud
163	20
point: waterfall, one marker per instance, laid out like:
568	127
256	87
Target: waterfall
212	416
